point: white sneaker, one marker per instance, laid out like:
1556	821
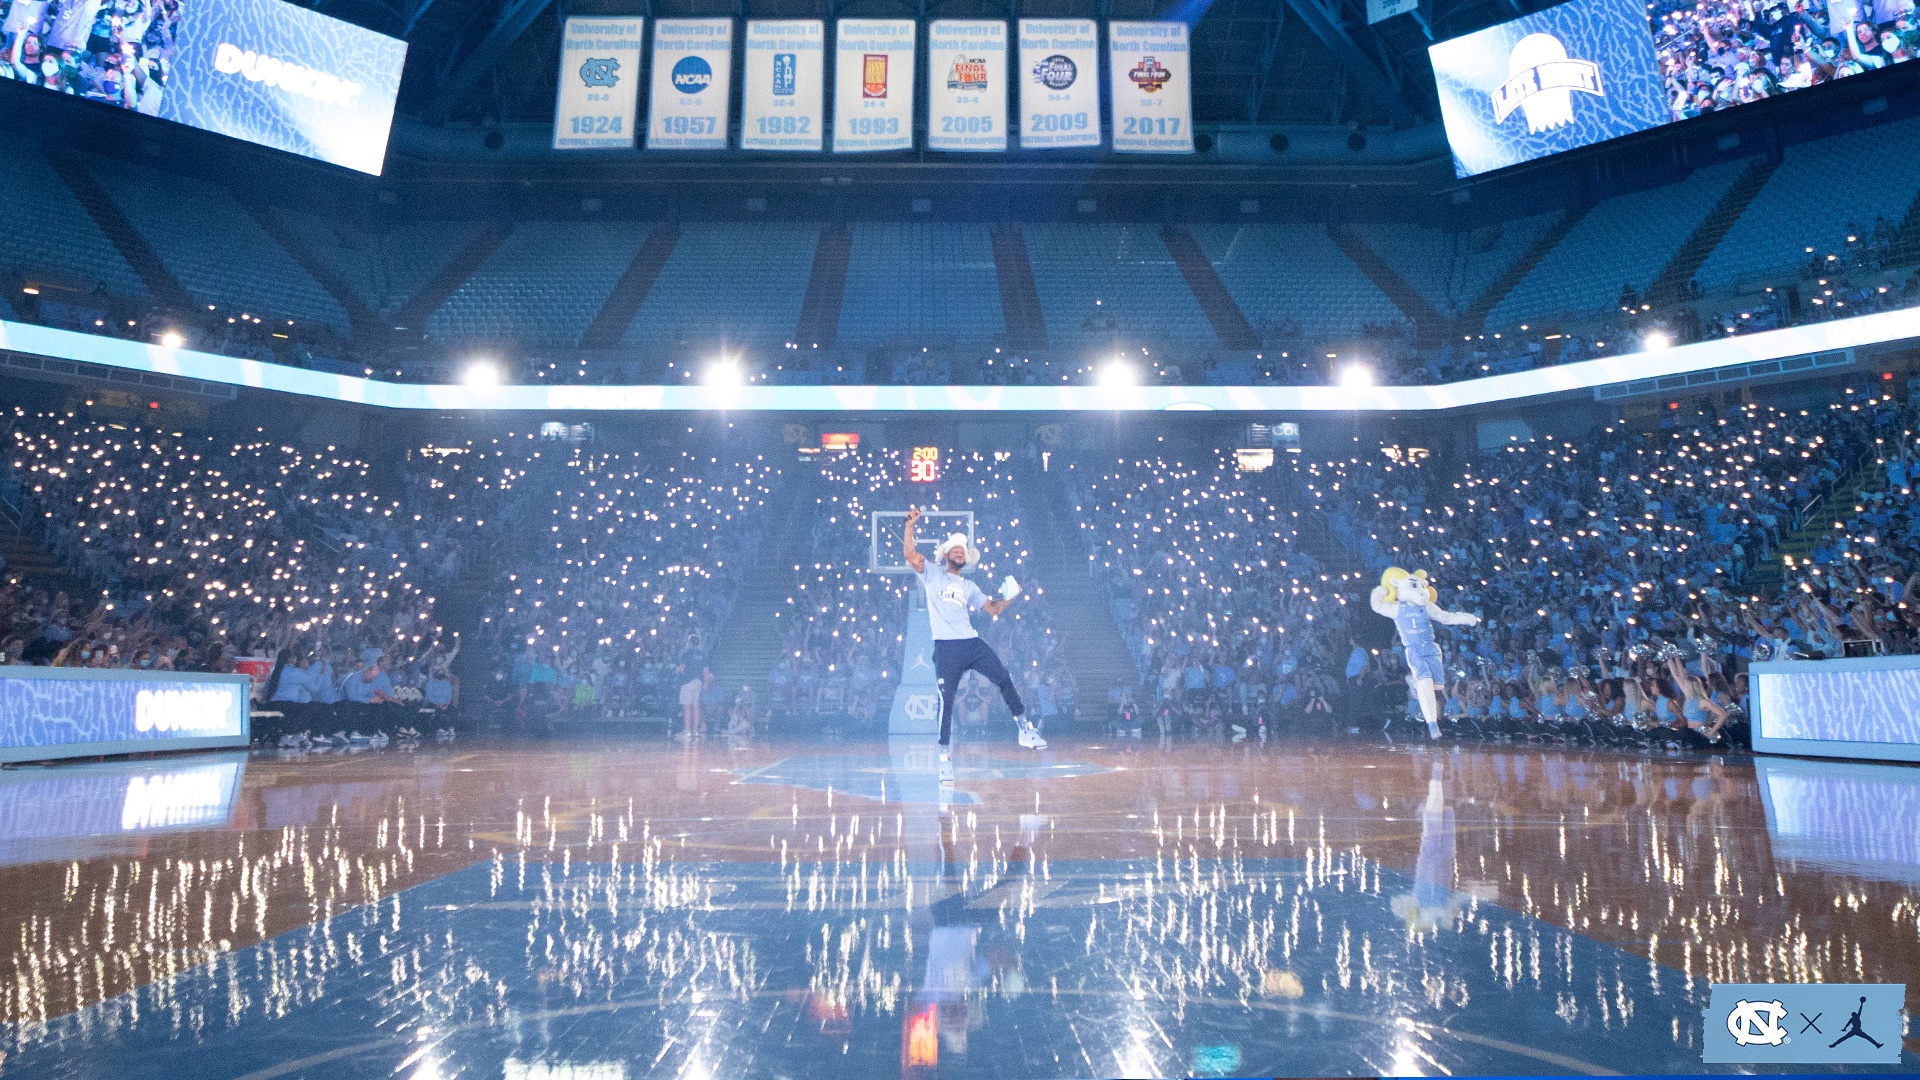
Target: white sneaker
1433	730
1030	737
946	768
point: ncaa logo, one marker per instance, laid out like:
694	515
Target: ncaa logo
786	74
692	75
1757	1022
1056	72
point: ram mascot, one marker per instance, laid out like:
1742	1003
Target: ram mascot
1412	604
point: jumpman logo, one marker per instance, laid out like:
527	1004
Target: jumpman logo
1852	1029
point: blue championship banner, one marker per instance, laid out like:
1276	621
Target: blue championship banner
1804	1024
48	713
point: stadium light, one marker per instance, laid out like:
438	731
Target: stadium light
1356	375
1118	374
481	374
1655	341
724	374
172	339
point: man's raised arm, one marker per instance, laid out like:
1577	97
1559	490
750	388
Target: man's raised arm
914	558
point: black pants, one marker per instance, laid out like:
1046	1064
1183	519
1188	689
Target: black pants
953	659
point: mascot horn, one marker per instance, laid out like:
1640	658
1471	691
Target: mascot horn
1409	601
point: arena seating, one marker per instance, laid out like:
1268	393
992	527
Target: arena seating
732	283
215	249
1450	270
38	210
384	268
543	286
920	282
1294	274
1881	179
1625	240
1097	282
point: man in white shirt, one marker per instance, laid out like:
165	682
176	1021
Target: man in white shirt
957	649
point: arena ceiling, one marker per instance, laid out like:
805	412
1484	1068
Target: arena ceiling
1311	62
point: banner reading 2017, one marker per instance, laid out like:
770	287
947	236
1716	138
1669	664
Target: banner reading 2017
967	84
692	78
785	85
873	85
599	83
1059	83
1152	95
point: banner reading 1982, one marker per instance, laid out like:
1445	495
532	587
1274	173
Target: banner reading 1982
785	85
873	85
692	78
967	84
1152	98
599	83
1059	80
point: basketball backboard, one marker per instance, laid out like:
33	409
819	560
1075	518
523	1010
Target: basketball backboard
935	525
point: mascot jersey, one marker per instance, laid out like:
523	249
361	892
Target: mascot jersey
1408	601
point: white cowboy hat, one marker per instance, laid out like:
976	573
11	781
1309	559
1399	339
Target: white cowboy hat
957	540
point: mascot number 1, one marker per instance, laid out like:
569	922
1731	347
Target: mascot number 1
1410	601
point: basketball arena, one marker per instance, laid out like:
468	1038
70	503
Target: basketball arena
1223	538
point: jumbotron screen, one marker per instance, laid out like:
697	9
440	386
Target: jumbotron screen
1591	70
260	70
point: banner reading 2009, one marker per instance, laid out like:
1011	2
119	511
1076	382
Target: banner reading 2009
1059	83
967	84
873	85
599	83
692	77
785	85
1152	98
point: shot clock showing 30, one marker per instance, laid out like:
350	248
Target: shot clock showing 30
1152	98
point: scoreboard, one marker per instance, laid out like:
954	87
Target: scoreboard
924	466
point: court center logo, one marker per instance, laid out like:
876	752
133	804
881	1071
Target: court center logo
1753	1022
1149	75
1541	83
692	75
1056	72
786	74
923	707
600	74
968	73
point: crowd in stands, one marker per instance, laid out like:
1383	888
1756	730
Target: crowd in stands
840	648
1715	54
1622	580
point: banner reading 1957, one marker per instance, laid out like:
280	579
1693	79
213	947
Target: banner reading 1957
1059	81
599	83
1152	97
967	84
785	85
692	78
873	85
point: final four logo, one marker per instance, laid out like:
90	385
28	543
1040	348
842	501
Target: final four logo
600	73
1056	72
968	73
1542	82
1148	75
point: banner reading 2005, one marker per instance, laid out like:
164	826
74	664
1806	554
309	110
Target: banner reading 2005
873	85
967	84
785	85
599	84
1059	83
1152	99
692	77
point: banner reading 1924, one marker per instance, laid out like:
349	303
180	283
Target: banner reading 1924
1152	89
599	83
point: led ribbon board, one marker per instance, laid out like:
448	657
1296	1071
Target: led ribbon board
48	713
1868	707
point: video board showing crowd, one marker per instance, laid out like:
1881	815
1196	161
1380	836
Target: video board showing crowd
259	70
1590	70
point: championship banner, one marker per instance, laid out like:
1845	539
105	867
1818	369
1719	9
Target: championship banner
692	77
1152	99
873	85
1059	83
785	86
599	97
967	84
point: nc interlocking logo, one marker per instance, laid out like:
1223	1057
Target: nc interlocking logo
923	707
600	73
1805	1023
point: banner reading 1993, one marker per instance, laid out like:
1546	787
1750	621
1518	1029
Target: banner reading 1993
599	84
1152	98
785	85
967	84
1059	83
873	85
692	78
